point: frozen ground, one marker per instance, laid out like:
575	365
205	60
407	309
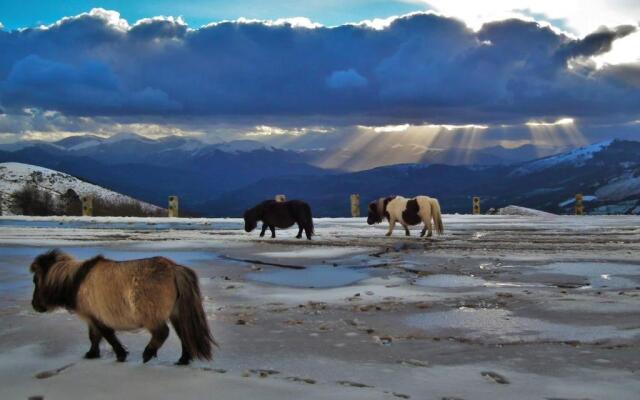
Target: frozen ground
500	307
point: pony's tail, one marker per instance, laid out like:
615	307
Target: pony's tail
437	216
192	321
307	214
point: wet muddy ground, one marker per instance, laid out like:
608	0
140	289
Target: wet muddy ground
497	308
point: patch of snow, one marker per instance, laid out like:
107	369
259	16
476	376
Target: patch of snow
617	189
14	176
572	200
85	145
127	136
238	146
517	210
576	157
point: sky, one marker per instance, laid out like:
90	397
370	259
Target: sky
456	73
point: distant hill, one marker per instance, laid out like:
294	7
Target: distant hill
607	173
14	177
225	178
152	170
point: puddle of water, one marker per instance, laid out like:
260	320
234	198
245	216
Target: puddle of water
498	325
599	275
311	277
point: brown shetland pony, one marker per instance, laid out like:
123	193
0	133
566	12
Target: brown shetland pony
118	296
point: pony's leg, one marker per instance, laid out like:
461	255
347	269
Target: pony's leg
273	231
299	235
406	230
430	228
95	337
307	232
264	229
392	224
110	335
158	336
424	230
186	357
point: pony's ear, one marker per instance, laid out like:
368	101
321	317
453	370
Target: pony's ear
44	261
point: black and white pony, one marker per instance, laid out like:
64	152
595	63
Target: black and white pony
407	212
274	214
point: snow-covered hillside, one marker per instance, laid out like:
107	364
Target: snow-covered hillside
576	157
14	176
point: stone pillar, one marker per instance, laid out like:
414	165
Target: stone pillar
476	205
578	207
355	205
173	206
87	205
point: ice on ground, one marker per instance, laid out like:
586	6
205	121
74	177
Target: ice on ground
502	326
450	281
599	274
315	252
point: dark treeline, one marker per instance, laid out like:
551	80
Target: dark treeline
31	200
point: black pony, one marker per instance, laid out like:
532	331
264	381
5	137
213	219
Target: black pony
274	214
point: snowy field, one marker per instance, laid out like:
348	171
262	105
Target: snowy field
500	307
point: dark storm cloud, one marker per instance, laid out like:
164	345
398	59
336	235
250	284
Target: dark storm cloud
420	67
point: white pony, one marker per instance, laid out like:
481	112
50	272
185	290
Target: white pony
407	212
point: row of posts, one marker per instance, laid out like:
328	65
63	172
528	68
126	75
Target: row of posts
87	205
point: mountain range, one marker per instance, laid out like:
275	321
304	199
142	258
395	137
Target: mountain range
223	179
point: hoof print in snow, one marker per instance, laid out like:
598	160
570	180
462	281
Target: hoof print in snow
401	396
354	384
301	380
50	373
495	377
263	373
413	363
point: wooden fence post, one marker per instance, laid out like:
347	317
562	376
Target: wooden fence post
87	205
281	198
578	207
476	205
355	205
173	207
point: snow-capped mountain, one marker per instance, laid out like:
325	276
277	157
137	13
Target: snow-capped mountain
14	176
575	157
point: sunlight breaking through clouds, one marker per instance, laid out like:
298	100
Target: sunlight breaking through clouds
559	133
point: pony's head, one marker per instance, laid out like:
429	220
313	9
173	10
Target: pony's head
374	216
250	219
40	268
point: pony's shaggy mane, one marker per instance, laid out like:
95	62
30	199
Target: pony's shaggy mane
62	276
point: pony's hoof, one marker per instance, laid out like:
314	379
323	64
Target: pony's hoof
182	362
122	357
90	355
148	354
